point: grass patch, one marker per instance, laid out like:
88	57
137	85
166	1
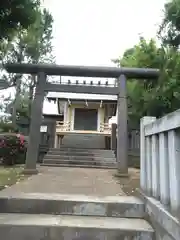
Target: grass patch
10	175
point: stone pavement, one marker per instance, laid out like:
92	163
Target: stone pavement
37	208
97	182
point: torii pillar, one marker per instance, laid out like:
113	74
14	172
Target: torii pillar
122	129
36	120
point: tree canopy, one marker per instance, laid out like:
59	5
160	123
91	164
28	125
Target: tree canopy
26	36
170	27
32	43
15	14
161	96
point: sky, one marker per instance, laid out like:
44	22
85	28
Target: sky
92	32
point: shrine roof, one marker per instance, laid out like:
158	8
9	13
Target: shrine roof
81	96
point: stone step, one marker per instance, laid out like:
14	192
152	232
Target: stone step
79	166
68	153
83	145
86	141
76	162
86	153
80	150
65	227
39	203
71	158
79	158
48	156
73	153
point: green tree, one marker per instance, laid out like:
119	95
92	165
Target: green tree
152	97
38	46
32	45
14	51
15	14
169	31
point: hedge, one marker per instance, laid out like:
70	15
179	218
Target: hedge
12	149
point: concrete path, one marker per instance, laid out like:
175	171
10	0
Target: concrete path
84	181
91	209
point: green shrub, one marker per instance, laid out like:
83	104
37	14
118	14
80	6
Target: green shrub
6	127
12	149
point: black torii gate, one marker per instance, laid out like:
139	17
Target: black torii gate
42	70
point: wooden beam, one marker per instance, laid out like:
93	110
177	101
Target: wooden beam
82	71
49	87
79	101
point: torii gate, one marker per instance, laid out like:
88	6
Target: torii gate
42	70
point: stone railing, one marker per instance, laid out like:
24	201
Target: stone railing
105	127
66	126
160	159
63	126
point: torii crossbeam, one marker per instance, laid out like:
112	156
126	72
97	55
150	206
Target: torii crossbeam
42	70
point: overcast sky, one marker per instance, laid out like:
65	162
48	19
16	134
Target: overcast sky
92	32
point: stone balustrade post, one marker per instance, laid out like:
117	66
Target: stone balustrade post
145	155
155	167
160	154
174	169
164	168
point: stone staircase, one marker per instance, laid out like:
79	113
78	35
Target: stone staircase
43	216
80	157
86	141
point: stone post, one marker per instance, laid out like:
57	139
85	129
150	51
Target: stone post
56	141
148	142
143	153
155	167
113	136
66	112
36	119
164	168
174	167
122	131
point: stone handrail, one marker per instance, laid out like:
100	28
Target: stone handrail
160	159
66	126
105	127
63	126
